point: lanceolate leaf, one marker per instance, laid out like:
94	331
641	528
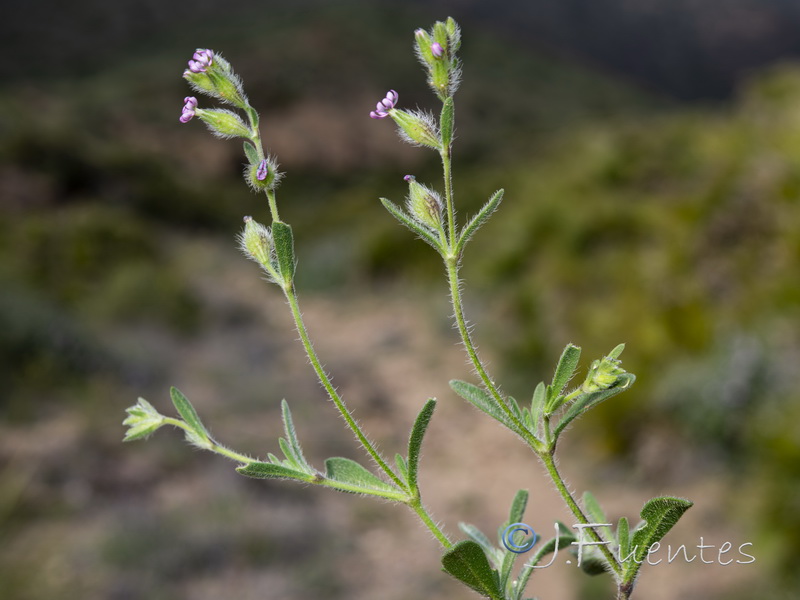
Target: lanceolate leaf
402	466
291	461
480	218
481	399
446	124
284	250
537	405
466	562
566	367
623	538
188	413
251	153
261	470
291	437
356	479
415	440
660	515
518	507
412	224
596	514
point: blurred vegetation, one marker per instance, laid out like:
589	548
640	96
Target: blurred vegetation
675	229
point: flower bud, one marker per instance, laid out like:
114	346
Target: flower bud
384	106
262	171
604	372
256	242
143	419
417	128
424	204
224	123
436	51
189	109
210	74
262	175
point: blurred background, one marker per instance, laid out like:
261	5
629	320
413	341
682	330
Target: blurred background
650	153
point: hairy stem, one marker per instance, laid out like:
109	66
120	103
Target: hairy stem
334	395
212	446
416	506
550	464
466	338
446	155
414	503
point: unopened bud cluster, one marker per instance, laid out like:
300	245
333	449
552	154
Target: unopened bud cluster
604	372
212	75
436	50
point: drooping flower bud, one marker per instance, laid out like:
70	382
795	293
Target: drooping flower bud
384	106
190	104
210	74
424	204
201	60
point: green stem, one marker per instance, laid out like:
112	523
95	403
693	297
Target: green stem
212	445
550	464
326	383
416	506
458	313
273	205
446	155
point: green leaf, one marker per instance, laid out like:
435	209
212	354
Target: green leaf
189	414
495	554
412	224
623	537
352	474
566	367
251	153
262	470
482	400
514	516
480	218
291	461
291	436
284	250
402	466
537	405
518	507
466	562
446	123
596	514
660	515
415	440
614	354
587	401
512	404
